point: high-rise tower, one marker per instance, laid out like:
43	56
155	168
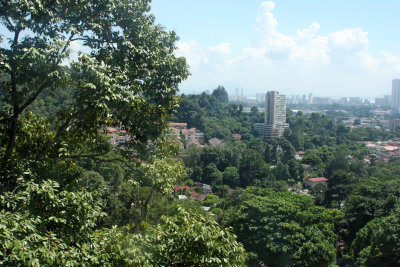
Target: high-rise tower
275	116
396	96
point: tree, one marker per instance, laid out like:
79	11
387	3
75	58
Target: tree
371	198
285	229
311	159
253	167
185	239
338	162
129	79
220	94
339	187
278	149
231	177
130	57
281	172
211	175
256	144
378	242
296	171
318	192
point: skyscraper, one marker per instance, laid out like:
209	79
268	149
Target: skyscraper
396	96
275	116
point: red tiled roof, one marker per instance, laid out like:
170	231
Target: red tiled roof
318	179
215	142
189	131
178	124
197	196
300	152
237	136
179	187
111	130
207	187
193	143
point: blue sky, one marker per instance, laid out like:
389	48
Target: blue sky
328	48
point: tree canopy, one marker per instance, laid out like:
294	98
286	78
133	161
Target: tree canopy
286	229
55	193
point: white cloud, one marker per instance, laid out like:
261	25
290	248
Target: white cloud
193	53
74	49
266	22
224	48
329	64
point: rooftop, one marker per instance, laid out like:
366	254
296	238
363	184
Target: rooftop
318	179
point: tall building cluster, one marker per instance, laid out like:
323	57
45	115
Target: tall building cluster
275	116
396	96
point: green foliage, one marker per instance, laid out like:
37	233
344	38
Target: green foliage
190	239
371	198
130	79
220	94
378	242
340	185
46	225
114	85
285	229
311	159
186	239
278	150
215	118
318	192
252	168
211	175
231	177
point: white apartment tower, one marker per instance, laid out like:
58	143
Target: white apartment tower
396	96
275	116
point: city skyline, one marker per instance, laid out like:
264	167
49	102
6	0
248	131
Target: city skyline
328	49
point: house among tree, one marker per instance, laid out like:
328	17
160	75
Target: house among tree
197	196
236	136
299	155
117	136
192	143
311	182
215	142
192	136
178	125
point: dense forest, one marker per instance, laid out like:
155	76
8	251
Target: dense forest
69	197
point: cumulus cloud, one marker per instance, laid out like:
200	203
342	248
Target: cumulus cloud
332	63
224	48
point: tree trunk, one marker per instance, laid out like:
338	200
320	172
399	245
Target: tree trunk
144	211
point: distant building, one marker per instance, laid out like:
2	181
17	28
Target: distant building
260	98
396	96
311	182
192	136
355	100
117	136
275	116
383	101
322	101
394	123
236	136
215	142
